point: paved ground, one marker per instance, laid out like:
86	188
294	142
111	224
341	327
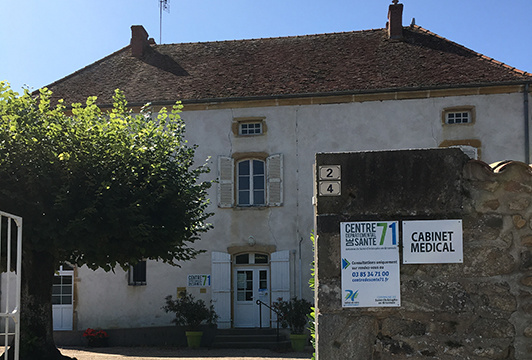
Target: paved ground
156	353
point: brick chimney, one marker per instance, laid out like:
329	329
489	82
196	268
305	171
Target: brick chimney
395	20
139	40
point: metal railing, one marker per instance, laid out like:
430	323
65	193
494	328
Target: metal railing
9	312
260	304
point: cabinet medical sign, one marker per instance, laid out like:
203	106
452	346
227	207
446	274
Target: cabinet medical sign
370	264
432	242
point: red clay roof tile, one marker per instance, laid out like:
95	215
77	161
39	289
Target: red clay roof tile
350	62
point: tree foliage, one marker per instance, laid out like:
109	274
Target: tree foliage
101	188
96	188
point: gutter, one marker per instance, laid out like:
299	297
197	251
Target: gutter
317	94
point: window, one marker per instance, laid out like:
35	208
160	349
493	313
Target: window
258	180
461	115
251	183
62	291
137	274
458	117
251	258
250	128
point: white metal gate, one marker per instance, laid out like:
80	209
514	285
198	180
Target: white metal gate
10	244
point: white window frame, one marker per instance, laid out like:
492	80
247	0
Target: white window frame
250	128
251	177
457	115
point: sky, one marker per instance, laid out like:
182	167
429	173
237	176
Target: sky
42	41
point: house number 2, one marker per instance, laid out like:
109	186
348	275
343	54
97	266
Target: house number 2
329	180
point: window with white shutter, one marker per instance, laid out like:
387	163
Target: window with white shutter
250	182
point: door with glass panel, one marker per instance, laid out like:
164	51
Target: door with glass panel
252	283
62	298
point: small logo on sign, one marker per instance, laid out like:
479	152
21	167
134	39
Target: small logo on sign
351	295
345	264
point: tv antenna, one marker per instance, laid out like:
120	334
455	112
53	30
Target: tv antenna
163	5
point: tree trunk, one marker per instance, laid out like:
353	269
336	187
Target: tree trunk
36	324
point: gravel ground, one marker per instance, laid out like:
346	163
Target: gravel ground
154	353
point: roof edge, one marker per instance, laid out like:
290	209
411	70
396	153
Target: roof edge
476	53
322	94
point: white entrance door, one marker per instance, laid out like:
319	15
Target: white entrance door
62	298
251	284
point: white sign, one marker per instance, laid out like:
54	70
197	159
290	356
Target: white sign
199	280
370	264
432	242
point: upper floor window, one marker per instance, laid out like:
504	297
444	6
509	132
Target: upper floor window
251	183
258	181
252	128
249	126
462	115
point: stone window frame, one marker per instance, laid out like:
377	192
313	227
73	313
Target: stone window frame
238	122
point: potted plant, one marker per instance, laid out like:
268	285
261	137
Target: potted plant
191	313
294	314
96	338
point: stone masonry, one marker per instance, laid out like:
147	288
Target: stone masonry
478	309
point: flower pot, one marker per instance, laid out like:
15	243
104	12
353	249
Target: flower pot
98	342
194	338
298	341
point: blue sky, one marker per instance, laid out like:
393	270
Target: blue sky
44	41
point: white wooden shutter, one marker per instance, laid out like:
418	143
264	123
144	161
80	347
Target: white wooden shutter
221	287
280	275
274	164
225	181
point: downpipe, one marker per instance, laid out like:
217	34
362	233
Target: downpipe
527	124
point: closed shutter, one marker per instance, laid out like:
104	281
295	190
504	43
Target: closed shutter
225	181
221	288
274	163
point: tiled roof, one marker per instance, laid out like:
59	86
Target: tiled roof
350	62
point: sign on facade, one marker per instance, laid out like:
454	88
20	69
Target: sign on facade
432	242
199	280
370	264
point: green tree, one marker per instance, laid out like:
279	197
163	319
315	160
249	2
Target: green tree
96	188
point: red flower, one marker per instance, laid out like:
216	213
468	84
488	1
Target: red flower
95	334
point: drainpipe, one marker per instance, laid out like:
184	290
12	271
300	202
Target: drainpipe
300	275
527	126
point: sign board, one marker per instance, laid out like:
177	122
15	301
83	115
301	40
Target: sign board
199	280
370	264
432	242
